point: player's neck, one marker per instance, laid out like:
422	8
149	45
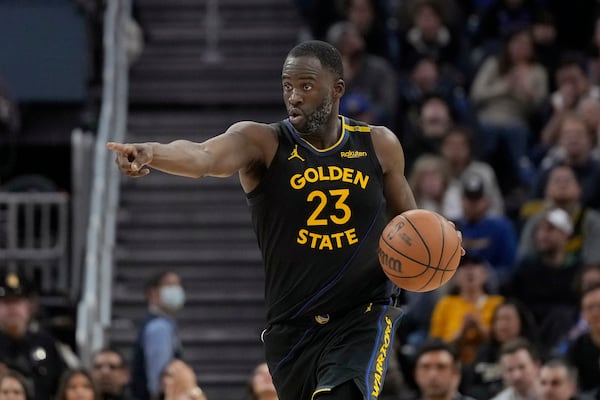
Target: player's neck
327	136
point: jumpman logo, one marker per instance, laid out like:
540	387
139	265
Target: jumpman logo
295	154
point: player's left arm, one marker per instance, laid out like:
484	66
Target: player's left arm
398	194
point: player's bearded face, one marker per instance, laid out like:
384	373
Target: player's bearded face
318	118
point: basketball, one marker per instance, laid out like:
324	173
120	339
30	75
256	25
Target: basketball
419	250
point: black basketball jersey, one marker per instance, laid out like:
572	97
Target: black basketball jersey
318	215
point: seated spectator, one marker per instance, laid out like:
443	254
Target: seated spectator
558	381
260	386
511	320
434	120
428	36
110	371
584	353
457	149
425	80
13	386
491	237
520	365
544	280
464	318
572	86
438	372
507	91
77	384
429	180
368	76
370	17
564	191
21	344
179	382
574	148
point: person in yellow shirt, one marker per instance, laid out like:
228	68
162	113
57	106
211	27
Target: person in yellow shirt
464	318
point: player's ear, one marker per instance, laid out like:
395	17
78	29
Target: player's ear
339	88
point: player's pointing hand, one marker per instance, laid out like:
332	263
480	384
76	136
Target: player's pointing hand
131	158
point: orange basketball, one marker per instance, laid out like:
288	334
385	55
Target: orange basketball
419	250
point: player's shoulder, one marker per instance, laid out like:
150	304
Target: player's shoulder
253	128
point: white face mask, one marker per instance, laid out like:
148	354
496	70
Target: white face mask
172	297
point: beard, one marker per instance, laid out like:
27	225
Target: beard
318	118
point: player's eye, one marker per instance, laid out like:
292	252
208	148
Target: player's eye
307	87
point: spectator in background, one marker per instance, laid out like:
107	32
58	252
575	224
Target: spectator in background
564	191
429	37
507	91
179	382
574	148
545	40
438	372
584	353
429	179
492	238
260	386
558	381
457	149
572	86
520	364
25	347
77	384
367	76
157	342
13	386
593	55
371	17
544	280
433	122
110	372
511	320
464	318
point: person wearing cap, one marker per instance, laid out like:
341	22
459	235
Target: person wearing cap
32	352
492	237
563	190
544	280
464	316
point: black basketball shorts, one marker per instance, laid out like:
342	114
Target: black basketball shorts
319	353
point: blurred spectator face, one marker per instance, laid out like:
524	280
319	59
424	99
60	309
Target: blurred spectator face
506	324
435	118
520	47
456	149
470	277
425	75
573	78
544	32
555	383
562	185
428	22
589	109
436	374
15	314
352	44
549	239
432	184
590	309
11	389
110	372
575	139
597	33
519	371
590	277
262	383
79	387
361	14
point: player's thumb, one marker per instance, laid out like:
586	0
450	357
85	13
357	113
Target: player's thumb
142	158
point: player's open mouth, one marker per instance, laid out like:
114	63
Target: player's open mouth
295	116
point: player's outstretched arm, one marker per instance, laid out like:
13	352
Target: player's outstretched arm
242	145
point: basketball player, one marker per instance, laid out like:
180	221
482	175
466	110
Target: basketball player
318	185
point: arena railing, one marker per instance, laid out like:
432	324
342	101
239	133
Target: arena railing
94	308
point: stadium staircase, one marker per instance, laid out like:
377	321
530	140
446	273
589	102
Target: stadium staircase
190	84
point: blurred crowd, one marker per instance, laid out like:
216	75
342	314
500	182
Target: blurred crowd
497	106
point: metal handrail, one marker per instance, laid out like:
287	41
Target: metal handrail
93	314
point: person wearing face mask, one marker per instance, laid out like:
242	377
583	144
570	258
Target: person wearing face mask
157	341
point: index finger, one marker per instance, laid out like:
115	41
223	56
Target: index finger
121	147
